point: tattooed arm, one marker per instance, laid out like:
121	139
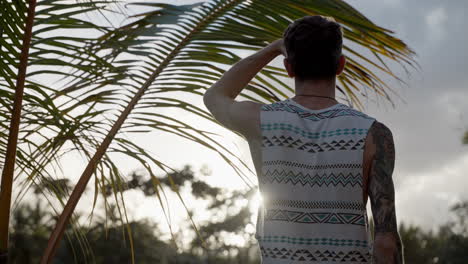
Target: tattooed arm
387	242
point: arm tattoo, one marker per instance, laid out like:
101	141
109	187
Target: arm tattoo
382	196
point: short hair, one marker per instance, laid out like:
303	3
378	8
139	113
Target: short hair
313	46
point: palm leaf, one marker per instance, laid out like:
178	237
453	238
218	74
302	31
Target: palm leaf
10	154
41	119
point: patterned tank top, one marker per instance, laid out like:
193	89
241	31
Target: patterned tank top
312	185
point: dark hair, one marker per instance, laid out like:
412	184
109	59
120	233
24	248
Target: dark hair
313	45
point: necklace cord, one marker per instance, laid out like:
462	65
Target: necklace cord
316	96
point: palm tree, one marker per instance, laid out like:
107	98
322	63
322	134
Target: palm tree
120	81
29	147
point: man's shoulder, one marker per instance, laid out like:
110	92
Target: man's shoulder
379	141
379	129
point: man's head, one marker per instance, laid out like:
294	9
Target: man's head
313	46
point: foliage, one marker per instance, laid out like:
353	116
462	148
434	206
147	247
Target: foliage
32	226
108	244
33	222
449	245
47	124
212	231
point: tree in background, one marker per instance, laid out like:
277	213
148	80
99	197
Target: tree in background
32	224
465	138
448	245
213	232
108	241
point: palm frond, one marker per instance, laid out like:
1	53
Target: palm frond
44	127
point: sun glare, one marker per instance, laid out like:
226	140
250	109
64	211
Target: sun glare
256	201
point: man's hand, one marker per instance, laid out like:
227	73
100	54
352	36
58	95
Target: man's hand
239	75
279	45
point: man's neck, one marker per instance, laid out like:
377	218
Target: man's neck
313	87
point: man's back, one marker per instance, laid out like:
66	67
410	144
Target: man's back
314	167
311	177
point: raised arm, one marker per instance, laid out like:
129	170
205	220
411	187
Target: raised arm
220	100
388	248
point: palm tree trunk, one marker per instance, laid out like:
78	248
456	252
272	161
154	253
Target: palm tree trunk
10	157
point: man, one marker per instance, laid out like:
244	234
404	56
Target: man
316	159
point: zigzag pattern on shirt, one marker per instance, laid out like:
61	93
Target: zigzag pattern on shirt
337	112
287	176
339	242
315	218
313	167
352	256
312	146
316	204
312	135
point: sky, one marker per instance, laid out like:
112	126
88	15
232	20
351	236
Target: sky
431	163
431	167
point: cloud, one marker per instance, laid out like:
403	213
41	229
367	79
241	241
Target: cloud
436	21
436	17
425	200
430	168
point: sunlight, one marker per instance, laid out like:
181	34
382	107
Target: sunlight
256	201
234	239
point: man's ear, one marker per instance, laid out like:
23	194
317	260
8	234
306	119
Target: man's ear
288	67
341	65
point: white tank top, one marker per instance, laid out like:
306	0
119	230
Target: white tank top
312	185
